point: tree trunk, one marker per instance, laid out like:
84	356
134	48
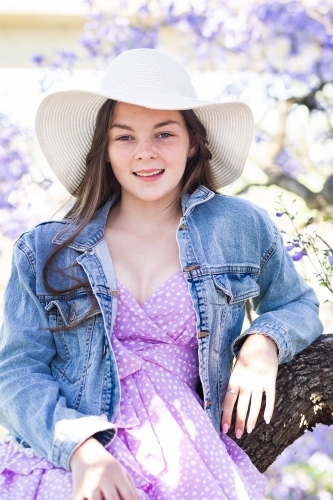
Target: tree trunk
304	398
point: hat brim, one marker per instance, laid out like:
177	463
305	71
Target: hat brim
65	124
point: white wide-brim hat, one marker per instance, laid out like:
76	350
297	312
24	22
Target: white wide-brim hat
65	121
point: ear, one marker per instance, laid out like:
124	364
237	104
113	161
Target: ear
193	148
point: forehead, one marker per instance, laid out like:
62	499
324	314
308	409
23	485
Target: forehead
131	112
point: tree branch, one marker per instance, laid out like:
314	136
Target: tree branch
304	398
312	199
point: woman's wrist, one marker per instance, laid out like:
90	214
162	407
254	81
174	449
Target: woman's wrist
86	452
258	340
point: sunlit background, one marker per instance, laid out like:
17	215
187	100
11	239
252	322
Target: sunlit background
275	55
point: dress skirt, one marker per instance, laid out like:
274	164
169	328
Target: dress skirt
164	439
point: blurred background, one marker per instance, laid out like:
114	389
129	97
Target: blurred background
277	56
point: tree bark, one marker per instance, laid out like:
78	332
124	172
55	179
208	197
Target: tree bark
304	398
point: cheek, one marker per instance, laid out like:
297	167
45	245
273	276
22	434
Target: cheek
118	157
176	157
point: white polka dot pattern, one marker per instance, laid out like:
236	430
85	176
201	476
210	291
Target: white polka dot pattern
165	439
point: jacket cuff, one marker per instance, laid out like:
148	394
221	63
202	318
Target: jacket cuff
70	434
276	333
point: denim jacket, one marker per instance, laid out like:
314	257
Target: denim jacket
57	388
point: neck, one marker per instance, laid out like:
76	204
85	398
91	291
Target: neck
146	214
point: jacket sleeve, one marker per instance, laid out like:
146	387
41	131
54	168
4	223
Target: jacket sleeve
31	406
287	307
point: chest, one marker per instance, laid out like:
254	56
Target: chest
143	261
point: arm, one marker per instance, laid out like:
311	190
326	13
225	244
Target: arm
288	323
31	406
287	306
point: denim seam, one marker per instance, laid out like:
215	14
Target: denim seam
28	253
269	252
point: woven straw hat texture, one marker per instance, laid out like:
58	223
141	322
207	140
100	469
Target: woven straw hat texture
65	121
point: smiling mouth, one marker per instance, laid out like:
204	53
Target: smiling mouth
149	174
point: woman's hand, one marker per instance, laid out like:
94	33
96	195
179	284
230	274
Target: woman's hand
255	372
97	475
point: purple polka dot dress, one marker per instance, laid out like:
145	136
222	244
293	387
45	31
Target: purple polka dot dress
165	439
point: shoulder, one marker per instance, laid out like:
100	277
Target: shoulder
238	211
40	237
237	226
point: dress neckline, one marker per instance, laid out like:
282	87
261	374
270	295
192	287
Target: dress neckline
154	293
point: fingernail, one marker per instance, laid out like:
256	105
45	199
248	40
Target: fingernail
225	428
249	429
238	433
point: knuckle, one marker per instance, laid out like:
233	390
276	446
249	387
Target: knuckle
95	495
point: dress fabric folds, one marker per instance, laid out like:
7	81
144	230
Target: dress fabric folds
165	440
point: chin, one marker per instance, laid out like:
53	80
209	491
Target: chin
157	196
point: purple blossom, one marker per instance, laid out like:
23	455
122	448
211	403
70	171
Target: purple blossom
63	59
218	29
260	136
37	59
326	63
298	255
144	10
289	246
300	453
279	214
289	163
15	174
330	259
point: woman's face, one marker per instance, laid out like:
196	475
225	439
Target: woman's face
148	150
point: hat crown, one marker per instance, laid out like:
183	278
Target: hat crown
148	68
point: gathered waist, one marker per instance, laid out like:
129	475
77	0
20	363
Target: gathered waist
132	355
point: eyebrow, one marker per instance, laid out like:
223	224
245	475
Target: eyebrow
158	125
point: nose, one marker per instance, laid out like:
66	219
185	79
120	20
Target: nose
145	150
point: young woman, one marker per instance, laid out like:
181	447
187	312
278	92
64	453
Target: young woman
120	315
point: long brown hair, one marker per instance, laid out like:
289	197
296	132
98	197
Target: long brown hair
99	183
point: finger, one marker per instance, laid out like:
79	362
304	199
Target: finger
77	494
129	477
111	493
270	401
133	485
242	408
256	398
228	407
97	495
127	490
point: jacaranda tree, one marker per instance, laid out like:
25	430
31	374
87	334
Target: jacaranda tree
283	52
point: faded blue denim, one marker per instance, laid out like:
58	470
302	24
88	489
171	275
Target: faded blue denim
59	388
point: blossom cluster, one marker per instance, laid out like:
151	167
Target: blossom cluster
17	173
214	29
304	471
309	244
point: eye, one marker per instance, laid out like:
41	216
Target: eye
165	135
123	138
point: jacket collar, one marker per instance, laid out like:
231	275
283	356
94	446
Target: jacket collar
200	195
93	232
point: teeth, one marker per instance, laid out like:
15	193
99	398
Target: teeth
148	174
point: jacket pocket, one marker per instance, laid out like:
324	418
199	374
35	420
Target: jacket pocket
72	310
73	321
237	287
